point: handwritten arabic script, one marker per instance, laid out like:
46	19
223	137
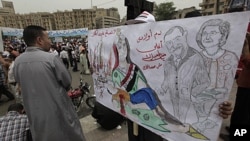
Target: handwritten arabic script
153	54
147	36
149	57
147	66
104	33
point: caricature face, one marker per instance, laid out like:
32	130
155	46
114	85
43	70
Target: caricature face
211	36
176	42
122	49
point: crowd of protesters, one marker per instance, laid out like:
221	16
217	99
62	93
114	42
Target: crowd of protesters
8	87
71	51
33	68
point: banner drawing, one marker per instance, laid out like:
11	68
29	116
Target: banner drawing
169	76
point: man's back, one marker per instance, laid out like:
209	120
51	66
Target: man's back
44	81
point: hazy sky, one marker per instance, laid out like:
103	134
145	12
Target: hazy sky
27	6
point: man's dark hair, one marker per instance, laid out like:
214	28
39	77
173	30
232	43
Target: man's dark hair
15	107
194	13
31	32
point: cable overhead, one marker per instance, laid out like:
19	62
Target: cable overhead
106	3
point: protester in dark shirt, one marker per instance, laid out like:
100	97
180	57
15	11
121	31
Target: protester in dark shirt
107	118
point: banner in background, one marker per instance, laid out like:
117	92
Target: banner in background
53	33
68	33
12	31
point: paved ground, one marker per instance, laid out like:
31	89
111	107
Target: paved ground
91	130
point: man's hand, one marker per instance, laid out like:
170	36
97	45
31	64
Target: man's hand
225	109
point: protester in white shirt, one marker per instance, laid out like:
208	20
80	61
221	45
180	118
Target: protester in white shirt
65	57
54	51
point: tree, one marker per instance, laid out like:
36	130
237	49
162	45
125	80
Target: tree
165	11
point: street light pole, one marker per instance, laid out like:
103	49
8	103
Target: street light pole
217	6
91	14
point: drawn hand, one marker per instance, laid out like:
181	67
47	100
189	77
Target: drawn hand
220	92
214	93
121	94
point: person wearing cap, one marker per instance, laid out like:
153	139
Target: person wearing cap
144	17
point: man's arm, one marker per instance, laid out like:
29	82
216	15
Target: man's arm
62	74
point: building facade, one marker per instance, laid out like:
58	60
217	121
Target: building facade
60	20
8	8
212	7
182	12
106	22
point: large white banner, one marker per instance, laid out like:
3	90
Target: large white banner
7	31
169	76
52	33
68	33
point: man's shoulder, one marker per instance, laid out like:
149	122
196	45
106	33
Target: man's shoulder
13	116
37	54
